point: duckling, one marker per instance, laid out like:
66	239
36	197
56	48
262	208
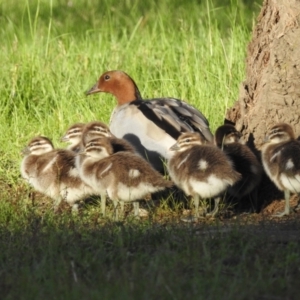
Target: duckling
201	170
125	176
53	173
151	126
73	136
227	138
281	161
97	129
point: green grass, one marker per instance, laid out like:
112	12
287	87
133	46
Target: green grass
51	53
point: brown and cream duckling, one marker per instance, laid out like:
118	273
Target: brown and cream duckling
53	172
97	129
201	170
125	176
227	138
281	161
73	136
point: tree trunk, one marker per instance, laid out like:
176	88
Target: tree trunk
271	91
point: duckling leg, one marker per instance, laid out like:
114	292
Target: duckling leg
122	208
216	208
136	207
103	204
116	212
196	216
57	203
196	204
75	208
287	205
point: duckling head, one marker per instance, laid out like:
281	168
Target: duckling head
227	134
93	130
73	134
187	140
37	146
279	133
98	148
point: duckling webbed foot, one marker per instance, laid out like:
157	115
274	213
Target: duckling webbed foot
287	209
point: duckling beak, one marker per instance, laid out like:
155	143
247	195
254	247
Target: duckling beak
93	90
25	151
266	139
239	134
64	139
81	152
175	147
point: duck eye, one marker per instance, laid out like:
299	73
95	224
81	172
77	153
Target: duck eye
187	140
106	77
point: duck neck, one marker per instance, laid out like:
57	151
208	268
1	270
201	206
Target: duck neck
127	93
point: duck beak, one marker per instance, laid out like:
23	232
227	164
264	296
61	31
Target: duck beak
93	90
175	147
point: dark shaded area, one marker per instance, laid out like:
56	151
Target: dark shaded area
60	255
152	157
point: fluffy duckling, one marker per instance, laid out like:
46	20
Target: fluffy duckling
201	170
73	136
281	161
53	173
125	176
244	161
97	129
151	126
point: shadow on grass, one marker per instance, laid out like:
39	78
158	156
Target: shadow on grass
67	257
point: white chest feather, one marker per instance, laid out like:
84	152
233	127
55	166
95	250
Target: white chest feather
210	188
127	193
128	119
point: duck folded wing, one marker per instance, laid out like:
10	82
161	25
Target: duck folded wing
174	116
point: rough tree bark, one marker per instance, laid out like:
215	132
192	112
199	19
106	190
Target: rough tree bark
271	91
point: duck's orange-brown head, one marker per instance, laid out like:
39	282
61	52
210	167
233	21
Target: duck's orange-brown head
119	84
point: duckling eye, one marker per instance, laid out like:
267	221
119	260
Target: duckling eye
106	77
188	140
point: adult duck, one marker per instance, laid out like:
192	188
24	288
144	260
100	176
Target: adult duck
151	126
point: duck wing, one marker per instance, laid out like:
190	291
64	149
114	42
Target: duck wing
174	116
